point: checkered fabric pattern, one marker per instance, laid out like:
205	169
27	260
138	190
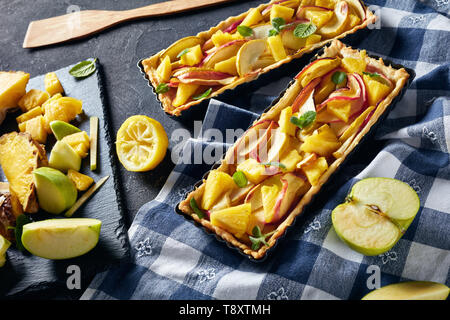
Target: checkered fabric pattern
173	259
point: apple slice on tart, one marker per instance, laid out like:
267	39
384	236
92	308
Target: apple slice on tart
285	157
255	42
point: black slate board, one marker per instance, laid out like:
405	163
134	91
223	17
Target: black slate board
27	275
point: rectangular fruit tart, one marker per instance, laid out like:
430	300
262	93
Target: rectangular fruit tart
241	48
275	168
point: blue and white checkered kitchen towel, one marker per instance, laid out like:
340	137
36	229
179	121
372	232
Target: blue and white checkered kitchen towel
173	259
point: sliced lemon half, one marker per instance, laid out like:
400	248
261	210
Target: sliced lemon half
141	143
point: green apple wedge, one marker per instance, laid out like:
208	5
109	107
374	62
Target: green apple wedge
410	290
376	214
58	239
4	245
55	191
63	157
61	129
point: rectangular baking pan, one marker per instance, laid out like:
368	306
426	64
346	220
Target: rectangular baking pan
351	155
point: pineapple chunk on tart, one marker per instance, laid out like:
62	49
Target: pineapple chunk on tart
262	185
241	48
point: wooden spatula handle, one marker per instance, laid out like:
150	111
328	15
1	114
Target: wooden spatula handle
170	7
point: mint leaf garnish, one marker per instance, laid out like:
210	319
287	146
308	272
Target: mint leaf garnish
304	120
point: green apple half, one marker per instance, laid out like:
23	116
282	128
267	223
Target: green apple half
61	129
55	191
376	215
4	245
61	238
63	157
411	290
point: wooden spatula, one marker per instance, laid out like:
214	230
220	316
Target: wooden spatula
84	23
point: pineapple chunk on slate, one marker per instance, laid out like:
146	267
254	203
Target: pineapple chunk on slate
35	112
32	99
19	156
234	219
64	109
36	128
12	88
79	142
52	84
81	181
315	169
50	101
217	184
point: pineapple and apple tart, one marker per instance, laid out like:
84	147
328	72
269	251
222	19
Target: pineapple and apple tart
241	48
277	166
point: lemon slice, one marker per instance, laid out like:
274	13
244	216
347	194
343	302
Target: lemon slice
141	143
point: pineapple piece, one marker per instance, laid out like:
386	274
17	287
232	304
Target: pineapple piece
12	88
313	171
184	92
64	109
35	112
290	160
326	3
19	156
36	128
269	195
193	56
340	108
50	101
164	70
81	181
314	38
285	123
352	65
252	18
276	47
227	66
79	142
319	18
217	184
52	84
32	99
220	38
254	171
323	142
279	11
234	219
375	90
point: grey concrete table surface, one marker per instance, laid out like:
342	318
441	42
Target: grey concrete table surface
119	49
